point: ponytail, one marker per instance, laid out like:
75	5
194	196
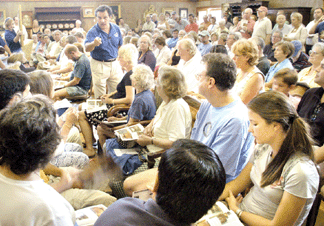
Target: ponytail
297	140
273	106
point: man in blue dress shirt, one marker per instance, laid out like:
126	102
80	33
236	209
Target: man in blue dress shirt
173	41
103	41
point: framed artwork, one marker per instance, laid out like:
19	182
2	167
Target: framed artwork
27	18
170	10
183	13
116	11
88	12
2	16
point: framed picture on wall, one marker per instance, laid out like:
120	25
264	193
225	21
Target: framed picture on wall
116	11
88	12
2	16
183	13
27	18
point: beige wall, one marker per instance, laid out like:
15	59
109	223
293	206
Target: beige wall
130	10
272	3
295	3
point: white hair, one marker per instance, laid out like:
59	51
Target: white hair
129	53
188	44
143	77
249	10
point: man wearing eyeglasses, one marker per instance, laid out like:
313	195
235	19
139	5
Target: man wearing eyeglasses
263	26
222	120
311	108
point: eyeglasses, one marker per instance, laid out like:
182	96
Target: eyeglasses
315	113
313	52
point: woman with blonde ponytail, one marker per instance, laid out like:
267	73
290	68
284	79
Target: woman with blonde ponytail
281	169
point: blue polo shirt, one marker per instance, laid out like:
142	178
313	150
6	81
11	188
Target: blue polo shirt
13	46
319	29
110	42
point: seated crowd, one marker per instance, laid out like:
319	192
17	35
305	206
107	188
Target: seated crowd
254	141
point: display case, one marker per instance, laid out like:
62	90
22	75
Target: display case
237	8
58	18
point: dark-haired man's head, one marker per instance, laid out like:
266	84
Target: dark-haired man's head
29	134
103	14
221	69
187	174
12	83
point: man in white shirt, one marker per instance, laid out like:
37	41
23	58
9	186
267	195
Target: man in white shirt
189	63
78	27
263	26
54	48
282	24
16	28
213	26
148	25
313	38
25	198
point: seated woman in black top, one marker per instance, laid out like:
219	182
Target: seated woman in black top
127	57
311	108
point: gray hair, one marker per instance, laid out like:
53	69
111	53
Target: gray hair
237	35
281	15
279	32
143	77
129	53
319	45
188	44
258	41
57	31
249	10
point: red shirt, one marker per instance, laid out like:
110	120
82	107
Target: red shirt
191	27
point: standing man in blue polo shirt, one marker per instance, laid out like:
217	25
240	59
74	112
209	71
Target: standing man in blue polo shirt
103	41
